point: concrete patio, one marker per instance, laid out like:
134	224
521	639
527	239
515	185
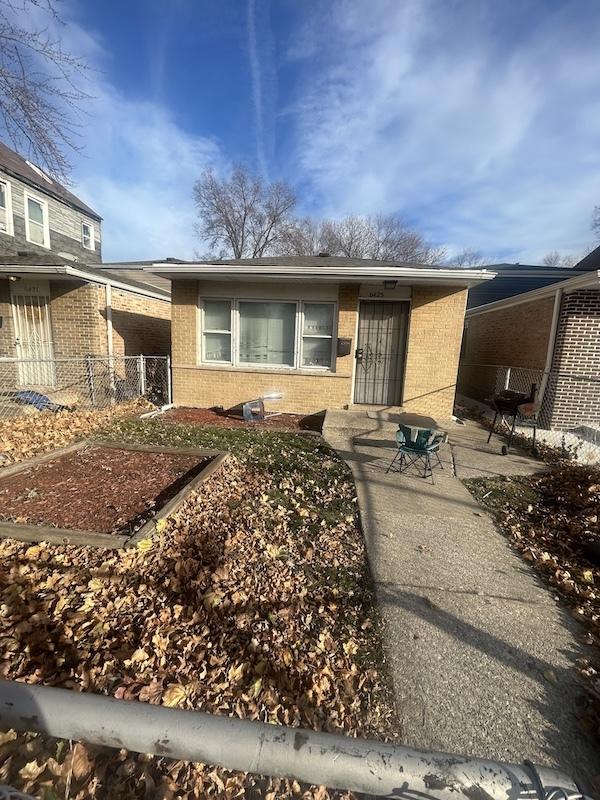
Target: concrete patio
480	652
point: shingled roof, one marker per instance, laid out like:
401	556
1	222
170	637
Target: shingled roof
15	165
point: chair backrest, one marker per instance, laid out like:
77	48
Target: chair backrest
415	438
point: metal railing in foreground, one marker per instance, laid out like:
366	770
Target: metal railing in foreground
28	386
338	762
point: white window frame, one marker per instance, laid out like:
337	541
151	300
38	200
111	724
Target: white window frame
298	335
92	244
28	196
204	330
10	227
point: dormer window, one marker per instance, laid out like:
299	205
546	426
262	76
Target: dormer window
87	236
36	221
6	217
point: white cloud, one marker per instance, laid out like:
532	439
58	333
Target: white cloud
138	173
137	167
481	129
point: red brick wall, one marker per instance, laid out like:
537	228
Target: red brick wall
572	396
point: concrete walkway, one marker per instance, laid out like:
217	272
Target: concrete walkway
481	654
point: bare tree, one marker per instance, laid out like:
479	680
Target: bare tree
383	237
467	258
302	237
556	259
242	215
39	92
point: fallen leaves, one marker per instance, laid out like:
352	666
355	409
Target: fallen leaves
239	605
552	519
25	437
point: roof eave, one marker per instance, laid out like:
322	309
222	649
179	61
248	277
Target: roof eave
322	274
570	285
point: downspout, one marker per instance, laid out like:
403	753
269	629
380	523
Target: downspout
375	768
551	343
109	335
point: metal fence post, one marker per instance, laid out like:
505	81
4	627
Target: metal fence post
142	374
89	365
169	382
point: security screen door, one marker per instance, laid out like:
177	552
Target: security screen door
380	353
33	333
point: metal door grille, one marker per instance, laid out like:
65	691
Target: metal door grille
380	354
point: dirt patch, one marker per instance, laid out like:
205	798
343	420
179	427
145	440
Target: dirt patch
224	419
97	489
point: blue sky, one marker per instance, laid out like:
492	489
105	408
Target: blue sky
478	122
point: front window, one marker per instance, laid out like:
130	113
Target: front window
217	330
87	235
37	222
317	335
268	333
5	208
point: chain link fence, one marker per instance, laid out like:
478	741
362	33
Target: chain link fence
569	415
30	386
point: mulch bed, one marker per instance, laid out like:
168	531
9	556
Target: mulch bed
224	419
97	489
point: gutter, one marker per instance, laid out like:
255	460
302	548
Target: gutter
214	272
375	768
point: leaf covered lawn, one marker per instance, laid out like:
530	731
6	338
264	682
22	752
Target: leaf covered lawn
254	601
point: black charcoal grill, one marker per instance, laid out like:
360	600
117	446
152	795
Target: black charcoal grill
519	406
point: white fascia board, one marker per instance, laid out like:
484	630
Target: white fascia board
570	285
425	275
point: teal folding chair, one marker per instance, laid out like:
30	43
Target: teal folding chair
416	446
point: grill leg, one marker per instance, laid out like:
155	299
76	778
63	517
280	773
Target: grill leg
492	429
534	435
512	430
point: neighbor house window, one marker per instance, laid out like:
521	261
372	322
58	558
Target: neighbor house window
87	235
317	335
6	220
268	333
217	330
36	221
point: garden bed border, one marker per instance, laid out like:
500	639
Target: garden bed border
49	533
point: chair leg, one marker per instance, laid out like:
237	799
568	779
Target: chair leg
428	464
493	427
439	460
393	461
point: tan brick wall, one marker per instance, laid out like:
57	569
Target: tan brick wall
141	325
434	339
7	332
433	351
74	318
516	336
302	391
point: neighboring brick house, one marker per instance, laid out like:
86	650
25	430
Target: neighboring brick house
550	336
38	214
52	309
322	332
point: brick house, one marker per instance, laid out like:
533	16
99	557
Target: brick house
39	215
323	332
549	336
52	309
